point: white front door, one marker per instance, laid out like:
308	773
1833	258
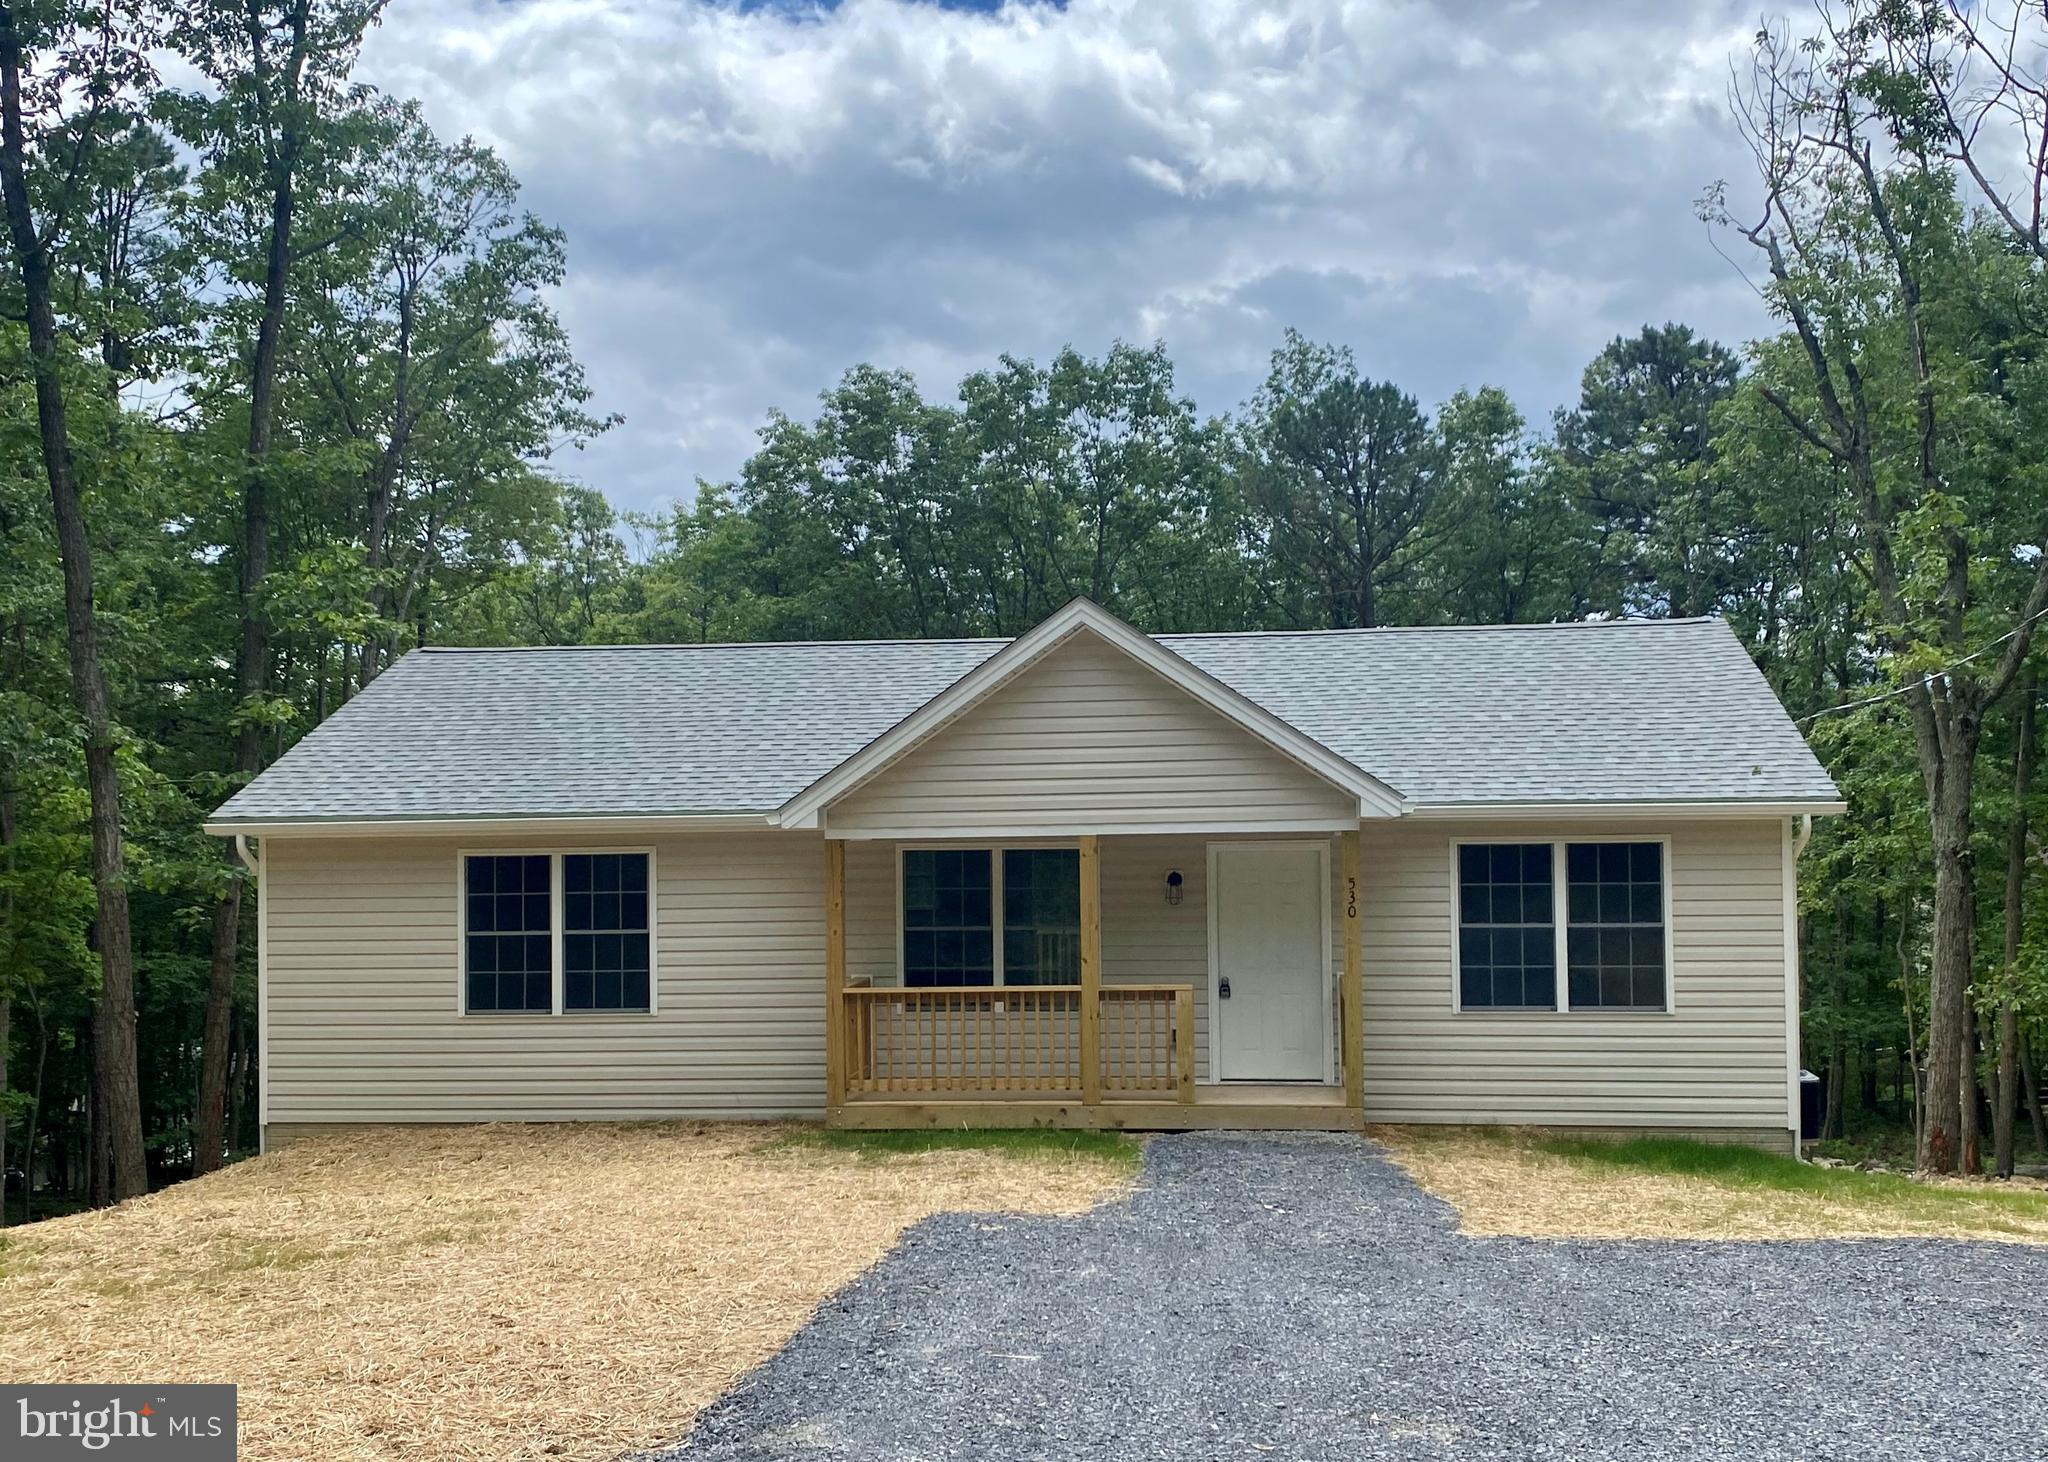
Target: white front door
1269	1018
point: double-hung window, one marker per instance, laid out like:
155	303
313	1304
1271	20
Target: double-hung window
554	933
991	916
508	942
1563	926
1507	926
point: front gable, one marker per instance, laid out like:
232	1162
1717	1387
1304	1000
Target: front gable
1091	727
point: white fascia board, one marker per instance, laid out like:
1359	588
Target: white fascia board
981	837
1484	811
400	827
1375	798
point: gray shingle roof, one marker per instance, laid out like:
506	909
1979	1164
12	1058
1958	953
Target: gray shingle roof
1665	710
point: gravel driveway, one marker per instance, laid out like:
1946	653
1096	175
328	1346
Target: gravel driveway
1281	1297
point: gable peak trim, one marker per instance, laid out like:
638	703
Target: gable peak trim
1077	617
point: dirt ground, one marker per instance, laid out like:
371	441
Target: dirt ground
486	1292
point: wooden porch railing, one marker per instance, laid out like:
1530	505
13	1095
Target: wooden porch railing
1019	1040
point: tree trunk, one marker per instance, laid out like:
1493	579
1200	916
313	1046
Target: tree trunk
238	1082
384	482
253	665
116	1076
1947	1114
35	1112
2005	1108
382	485
1911	1054
208	1134
2033	1085
6	1036
6	1002
1834	1124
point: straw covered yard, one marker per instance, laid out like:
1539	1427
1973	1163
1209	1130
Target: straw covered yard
488	1292
1504	1181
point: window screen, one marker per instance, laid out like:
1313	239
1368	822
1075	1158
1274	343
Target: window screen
1614	929
604	931
1041	916
1507	927
948	917
508	950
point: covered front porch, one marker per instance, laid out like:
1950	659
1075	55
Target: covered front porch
1099	981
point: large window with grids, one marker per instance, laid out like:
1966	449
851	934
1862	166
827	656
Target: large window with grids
1563	925
991	916
557	933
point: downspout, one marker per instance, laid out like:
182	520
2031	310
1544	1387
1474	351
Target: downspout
1797	835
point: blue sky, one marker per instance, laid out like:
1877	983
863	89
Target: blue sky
759	196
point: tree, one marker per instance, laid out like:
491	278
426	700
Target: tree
1508	542
55	58
427	320
1093	476
279	69
1891	289
1341	474
1639	447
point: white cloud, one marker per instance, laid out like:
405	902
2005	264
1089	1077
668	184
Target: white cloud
758	198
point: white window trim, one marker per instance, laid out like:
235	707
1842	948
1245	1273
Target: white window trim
995	853
555	935
1560	906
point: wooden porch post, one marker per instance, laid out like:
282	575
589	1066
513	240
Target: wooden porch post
1091	970
835	972
1352	1003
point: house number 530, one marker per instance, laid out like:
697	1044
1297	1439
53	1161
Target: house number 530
1350	898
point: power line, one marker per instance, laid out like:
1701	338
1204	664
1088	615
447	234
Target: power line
1928	678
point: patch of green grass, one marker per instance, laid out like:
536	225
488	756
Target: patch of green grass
1746	1167
243	1258
1114	1147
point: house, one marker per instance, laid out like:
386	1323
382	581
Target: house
1522	874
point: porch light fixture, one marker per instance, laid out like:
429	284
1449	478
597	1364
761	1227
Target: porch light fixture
1174	889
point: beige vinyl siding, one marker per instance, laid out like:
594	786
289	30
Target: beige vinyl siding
362	968
1083	741
1718	1061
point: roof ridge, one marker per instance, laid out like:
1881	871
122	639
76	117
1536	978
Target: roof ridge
1628	622
697	645
1632	621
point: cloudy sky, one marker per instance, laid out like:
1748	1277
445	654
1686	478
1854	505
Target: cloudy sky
758	195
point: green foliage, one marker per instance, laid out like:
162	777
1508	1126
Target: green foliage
1027	1142
424	386
1731	1166
1668	532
